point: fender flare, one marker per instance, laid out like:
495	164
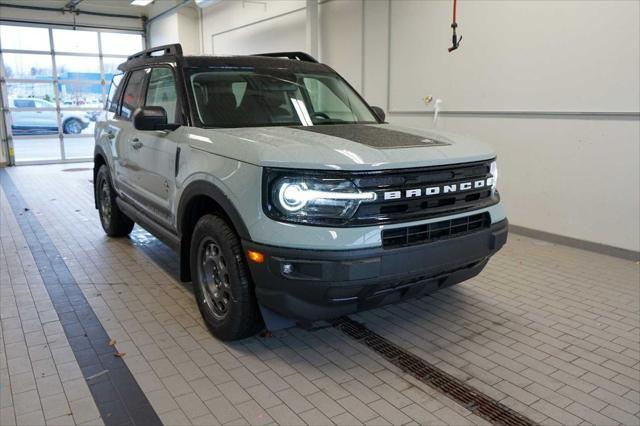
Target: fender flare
206	188
98	151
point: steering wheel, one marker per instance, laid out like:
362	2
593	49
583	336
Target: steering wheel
321	115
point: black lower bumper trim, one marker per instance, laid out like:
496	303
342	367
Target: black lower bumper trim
323	284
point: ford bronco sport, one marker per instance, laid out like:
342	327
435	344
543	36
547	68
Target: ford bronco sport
281	188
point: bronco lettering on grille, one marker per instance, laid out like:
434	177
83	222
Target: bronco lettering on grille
439	189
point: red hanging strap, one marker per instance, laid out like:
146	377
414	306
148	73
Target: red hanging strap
455	7
454	39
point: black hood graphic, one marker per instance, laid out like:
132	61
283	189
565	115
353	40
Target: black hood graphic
373	136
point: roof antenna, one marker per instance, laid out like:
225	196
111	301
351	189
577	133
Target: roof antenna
455	41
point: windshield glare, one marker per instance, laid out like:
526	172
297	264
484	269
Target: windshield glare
249	98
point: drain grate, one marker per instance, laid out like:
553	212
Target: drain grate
470	398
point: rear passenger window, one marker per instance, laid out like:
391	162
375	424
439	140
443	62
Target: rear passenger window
24	103
162	93
114	93
133	94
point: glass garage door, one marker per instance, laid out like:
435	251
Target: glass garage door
53	87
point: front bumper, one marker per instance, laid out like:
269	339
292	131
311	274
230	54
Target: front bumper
325	284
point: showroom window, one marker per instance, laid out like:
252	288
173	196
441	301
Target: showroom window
54	83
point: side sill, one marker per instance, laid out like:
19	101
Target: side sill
157	230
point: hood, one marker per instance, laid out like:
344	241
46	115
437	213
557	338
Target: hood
339	147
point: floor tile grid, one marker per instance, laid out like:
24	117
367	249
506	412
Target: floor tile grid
499	301
39	372
527	350
60	234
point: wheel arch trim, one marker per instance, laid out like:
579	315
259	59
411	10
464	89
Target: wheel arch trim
205	188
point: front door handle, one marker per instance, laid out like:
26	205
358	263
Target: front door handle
110	134
136	144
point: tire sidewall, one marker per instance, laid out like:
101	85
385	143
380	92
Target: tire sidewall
102	176
213	227
65	126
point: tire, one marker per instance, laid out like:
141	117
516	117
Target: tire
221	280
72	126
114	222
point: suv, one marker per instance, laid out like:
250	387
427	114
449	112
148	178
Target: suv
282	190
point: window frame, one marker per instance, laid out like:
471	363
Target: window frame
117	95
144	83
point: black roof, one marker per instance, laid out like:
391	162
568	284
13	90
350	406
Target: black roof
172	53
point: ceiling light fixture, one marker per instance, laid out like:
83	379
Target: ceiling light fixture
206	3
141	2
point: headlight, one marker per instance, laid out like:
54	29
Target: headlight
494	176
312	199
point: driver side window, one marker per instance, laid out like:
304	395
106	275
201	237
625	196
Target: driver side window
162	92
132	94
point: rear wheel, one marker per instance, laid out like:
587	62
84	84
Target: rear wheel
221	280
114	222
72	126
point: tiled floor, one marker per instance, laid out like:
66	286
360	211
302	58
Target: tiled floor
552	332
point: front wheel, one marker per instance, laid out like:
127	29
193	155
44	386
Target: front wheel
221	280
114	222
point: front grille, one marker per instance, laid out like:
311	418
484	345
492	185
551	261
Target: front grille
420	234
425	206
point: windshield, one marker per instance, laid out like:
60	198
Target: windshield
245	98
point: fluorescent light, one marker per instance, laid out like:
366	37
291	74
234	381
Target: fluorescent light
206	3
141	2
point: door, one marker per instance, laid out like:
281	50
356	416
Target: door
52	86
155	155
23	119
47	117
121	133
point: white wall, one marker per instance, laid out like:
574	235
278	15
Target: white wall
517	55
189	30
571	175
182	26
164	30
224	31
576	176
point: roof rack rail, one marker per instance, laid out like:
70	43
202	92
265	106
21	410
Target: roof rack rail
167	49
300	56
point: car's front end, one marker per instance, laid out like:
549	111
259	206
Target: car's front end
348	241
336	210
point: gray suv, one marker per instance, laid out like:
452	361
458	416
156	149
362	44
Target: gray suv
283	191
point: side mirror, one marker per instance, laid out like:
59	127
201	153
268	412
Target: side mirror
152	118
379	113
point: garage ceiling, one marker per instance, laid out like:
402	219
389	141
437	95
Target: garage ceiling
111	6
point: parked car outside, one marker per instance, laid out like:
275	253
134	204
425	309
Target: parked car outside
33	120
